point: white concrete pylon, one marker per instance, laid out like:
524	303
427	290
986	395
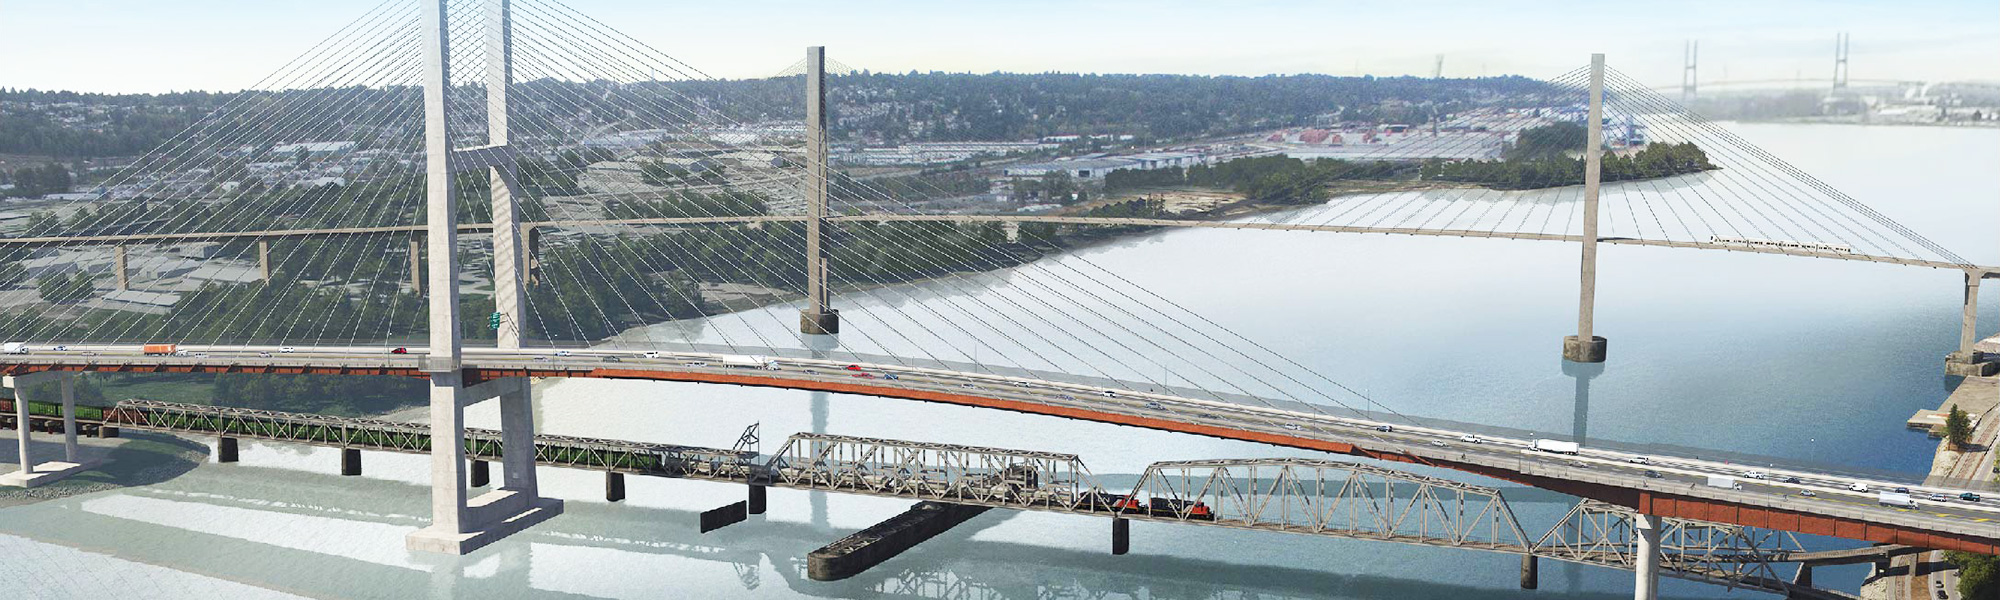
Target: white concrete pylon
507	260
459	525
1646	559
1586	346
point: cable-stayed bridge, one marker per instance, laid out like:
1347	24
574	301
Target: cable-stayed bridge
476	227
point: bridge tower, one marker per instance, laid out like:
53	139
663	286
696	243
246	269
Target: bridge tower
1585	347
1689	54
459	525
1840	45
817	318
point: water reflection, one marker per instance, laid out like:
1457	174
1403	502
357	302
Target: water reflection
257	526
1580	418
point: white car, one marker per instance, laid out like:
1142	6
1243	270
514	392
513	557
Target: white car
1753	474
562	353
1857	487
287	349
1470	439
1110	394
1639	460
1439	444
650	354
1292	426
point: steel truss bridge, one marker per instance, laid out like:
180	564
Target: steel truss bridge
1287	495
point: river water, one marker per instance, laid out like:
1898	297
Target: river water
1803	360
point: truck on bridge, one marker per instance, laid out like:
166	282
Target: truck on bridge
1558	447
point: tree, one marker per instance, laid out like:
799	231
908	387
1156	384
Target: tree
1976	573
1958	427
58	289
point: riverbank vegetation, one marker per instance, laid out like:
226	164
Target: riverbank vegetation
1543	158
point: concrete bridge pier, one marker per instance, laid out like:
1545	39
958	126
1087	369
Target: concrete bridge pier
756	503
1586	347
264	260
225	450
459	524
1646	557
350	462
1965	362
34	474
118	261
1531	572
482	475
1121	536
614	486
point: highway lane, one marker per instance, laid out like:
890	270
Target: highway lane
1666	471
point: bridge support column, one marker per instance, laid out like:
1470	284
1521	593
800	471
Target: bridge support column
350	462
614	486
817	318
69	418
1805	576
481	474
756	501
118	267
1121	536
1585	346
225	450
1646	557
34	474
1531	572
1965	362
264	260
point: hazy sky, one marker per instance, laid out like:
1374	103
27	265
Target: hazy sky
162	45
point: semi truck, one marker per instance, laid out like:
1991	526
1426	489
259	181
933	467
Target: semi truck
1558	447
1725	482
14	348
740	361
1897	500
161	349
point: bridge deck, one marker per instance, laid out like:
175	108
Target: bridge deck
1680	493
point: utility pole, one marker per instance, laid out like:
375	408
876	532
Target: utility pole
817	318
1586	347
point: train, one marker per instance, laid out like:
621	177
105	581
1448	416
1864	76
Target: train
1131	505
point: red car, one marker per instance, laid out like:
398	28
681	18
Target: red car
400	351
853	367
865	375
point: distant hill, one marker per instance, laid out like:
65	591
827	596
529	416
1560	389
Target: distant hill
865	107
